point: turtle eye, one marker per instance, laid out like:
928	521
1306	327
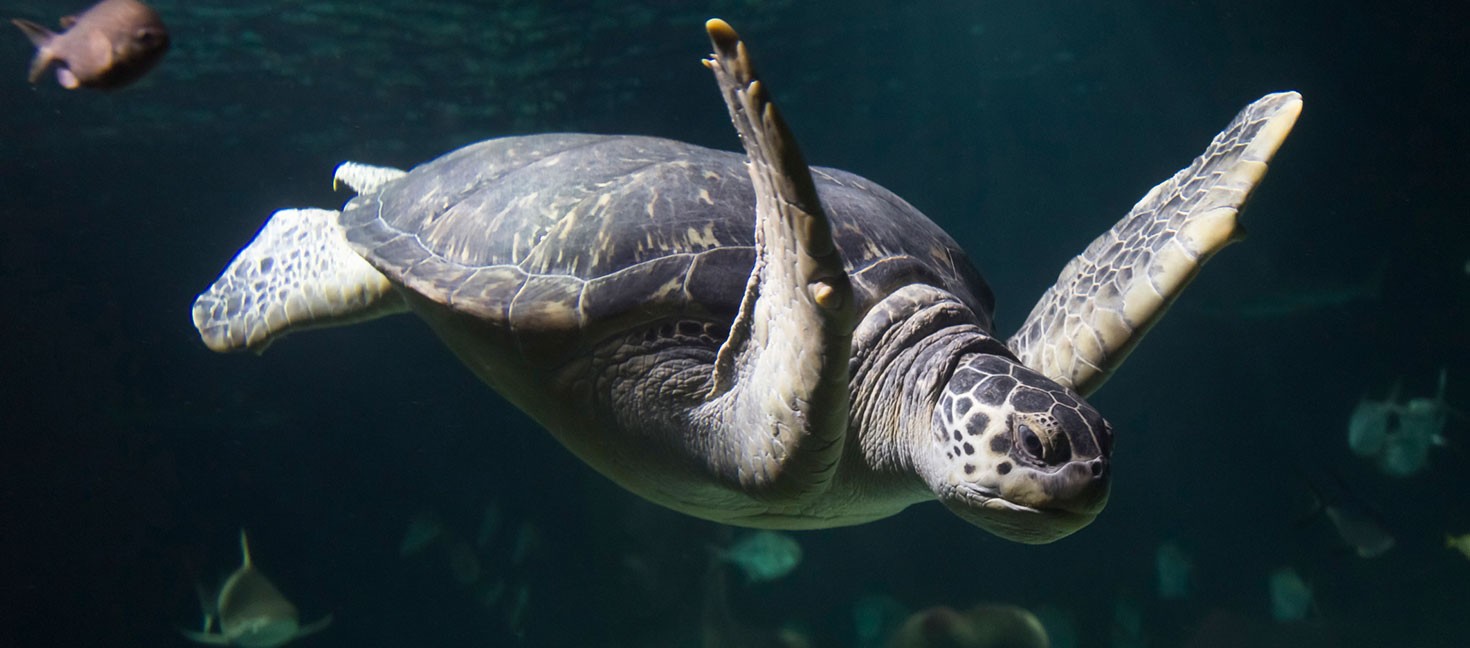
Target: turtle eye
148	36
1053	450
1029	441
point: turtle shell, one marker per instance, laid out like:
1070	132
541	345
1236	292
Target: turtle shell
586	236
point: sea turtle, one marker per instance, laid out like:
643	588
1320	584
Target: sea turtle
741	337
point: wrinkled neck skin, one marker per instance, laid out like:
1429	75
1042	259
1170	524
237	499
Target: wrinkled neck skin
906	349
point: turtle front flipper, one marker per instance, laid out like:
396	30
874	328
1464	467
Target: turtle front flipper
779	400
298	273
1109	296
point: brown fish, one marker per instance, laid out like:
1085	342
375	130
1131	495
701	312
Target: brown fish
106	47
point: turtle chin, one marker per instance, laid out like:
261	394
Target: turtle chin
1022	523
1024	503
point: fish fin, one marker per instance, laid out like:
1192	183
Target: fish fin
1318	506
1393	395
206	607
244	550
1310	477
314	627
39	36
213	639
67	22
1444	379
67	79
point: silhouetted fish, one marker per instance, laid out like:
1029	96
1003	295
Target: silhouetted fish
763	555
106	47
1459	543
1357	525
983	626
252	613
1399	436
1291	597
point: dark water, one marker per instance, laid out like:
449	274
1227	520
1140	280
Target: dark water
131	455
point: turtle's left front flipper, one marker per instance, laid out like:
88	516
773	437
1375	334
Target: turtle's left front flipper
779	400
1107	298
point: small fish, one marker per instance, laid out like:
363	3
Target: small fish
1357	526
1291	598
1360	531
251	611
1369	424
983	626
1459	543
1173	568
106	47
720	627
490	570
875	617
763	555
427	530
423	530
1398	436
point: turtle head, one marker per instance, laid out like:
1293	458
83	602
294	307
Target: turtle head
1015	453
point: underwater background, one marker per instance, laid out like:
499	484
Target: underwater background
131	456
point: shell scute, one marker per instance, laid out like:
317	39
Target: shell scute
587	235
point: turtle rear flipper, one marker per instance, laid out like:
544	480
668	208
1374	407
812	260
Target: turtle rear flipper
1109	296
298	273
364	178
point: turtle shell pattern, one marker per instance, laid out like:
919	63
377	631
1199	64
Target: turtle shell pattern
585	236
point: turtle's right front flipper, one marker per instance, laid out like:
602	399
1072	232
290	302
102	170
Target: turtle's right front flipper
779	402
1109	296
298	273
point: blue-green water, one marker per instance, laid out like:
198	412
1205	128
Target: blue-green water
132	455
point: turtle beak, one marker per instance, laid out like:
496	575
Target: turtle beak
1019	522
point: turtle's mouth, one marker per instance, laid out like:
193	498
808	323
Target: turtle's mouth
1018	522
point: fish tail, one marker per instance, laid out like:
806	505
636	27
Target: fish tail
206	610
39	36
